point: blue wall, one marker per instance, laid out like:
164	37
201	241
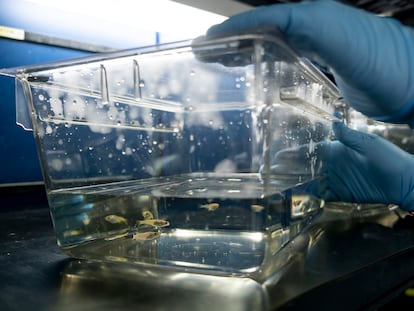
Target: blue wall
18	156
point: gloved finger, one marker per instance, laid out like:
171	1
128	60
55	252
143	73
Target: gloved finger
326	194
290	161
329	196
305	158
367	144
331	188
251	19
351	138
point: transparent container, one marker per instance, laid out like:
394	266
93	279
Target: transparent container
163	155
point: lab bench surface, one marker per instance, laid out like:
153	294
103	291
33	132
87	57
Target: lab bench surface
355	262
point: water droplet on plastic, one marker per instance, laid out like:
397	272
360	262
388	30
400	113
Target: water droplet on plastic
128	151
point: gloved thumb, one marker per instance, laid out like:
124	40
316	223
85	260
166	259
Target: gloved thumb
355	140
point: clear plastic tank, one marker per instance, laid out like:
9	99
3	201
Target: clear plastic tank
163	155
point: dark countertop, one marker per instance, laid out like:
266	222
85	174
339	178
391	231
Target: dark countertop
352	261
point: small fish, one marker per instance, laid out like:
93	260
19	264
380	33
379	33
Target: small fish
257	208
115	258
300	204
158	223
115	219
70	233
115	237
300	200
211	207
86	221
144	236
147	215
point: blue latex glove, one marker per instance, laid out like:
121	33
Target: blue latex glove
371	57
366	168
358	168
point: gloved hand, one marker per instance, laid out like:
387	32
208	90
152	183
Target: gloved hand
358	168
371	57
